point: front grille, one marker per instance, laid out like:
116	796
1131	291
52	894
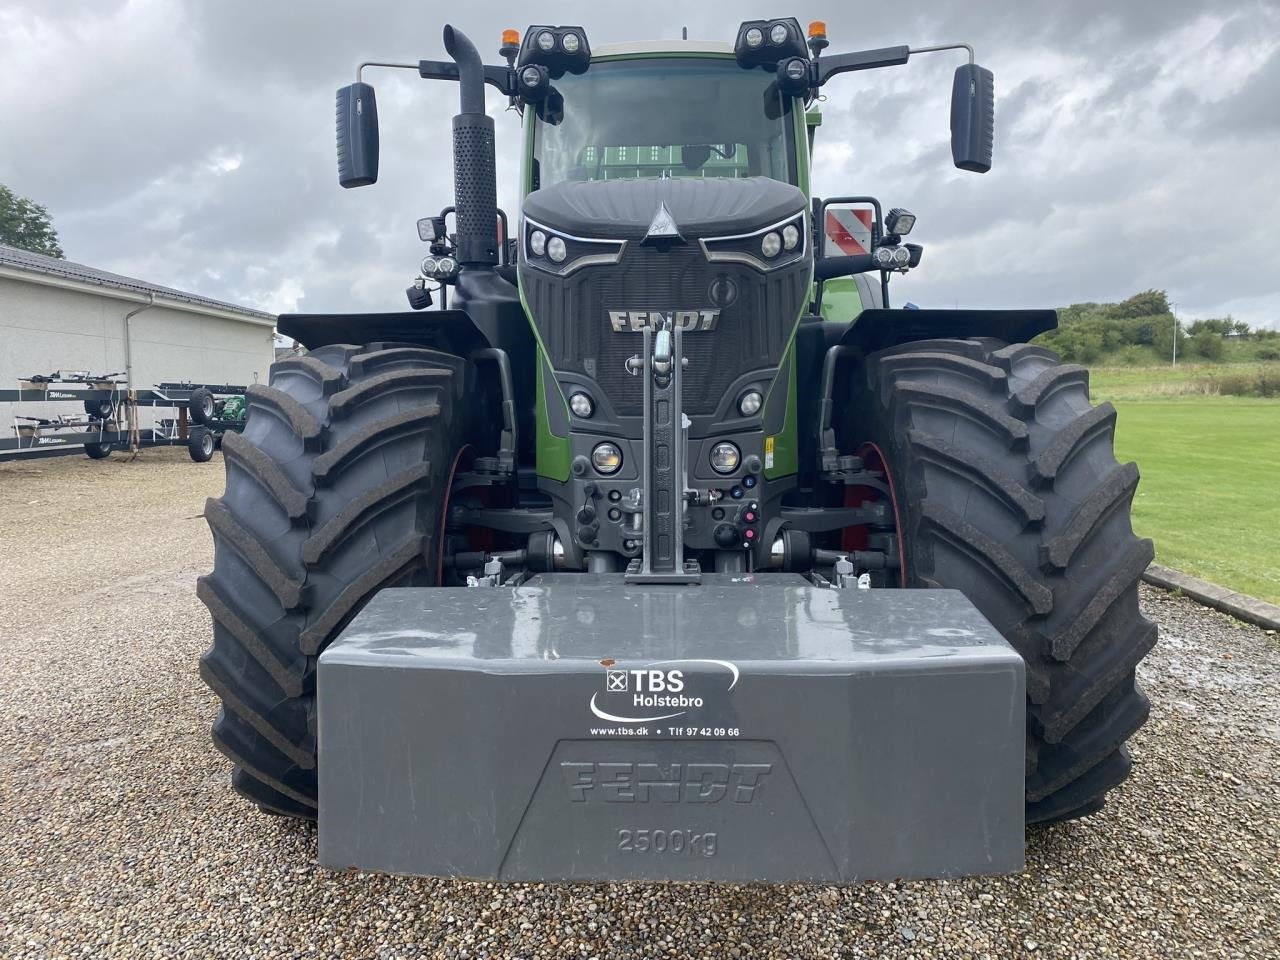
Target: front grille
572	316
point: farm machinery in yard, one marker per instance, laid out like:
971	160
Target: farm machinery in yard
111	414
666	548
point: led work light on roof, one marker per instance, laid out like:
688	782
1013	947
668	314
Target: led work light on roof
534	82
785	40
793	76
560	50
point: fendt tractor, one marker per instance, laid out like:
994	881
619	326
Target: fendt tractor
706	563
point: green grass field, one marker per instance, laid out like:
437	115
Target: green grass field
1210	490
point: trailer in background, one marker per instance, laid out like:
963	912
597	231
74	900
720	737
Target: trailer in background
108	415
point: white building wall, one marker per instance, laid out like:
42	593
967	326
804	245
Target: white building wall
44	328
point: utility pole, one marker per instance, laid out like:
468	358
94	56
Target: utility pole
1175	333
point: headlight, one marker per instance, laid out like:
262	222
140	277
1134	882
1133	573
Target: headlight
546	41
755	37
581	405
749	403
778	35
724	457
767	248
883	257
606	458
901	256
547	249
570	42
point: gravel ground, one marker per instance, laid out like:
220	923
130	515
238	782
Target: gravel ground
123	838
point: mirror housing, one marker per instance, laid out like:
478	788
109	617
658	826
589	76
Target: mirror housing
852	231
357	121
973	109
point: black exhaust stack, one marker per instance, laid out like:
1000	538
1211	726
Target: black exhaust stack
475	178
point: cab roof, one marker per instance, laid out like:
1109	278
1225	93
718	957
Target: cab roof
650	47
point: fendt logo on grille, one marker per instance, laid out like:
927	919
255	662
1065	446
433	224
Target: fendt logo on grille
634	321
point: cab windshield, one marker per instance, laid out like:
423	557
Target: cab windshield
626	119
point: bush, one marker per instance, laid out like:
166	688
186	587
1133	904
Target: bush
1268	352
1256	383
1269	383
1077	345
1208	344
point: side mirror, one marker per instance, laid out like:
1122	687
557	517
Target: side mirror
848	226
357	135
973	118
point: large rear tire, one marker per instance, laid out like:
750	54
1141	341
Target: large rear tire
335	489
1008	490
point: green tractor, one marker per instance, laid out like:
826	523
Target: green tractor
673	371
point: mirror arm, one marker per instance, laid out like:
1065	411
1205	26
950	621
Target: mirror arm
945	46
827	67
503	78
828	268
379	63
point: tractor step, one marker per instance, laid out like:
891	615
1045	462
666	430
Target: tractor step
750	729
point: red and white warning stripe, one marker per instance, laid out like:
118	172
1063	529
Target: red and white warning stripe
849	228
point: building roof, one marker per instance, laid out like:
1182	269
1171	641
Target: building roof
36	263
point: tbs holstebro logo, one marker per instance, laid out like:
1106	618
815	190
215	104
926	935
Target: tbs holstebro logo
631	694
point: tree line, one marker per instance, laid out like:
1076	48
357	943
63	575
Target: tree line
1142	329
27	225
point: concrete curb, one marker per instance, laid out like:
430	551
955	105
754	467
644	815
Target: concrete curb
1248	609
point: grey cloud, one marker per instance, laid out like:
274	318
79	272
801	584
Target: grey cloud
191	142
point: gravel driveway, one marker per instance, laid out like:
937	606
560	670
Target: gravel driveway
121	837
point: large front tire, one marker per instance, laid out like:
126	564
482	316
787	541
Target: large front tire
1009	491
335	489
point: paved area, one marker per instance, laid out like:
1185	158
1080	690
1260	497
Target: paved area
122	839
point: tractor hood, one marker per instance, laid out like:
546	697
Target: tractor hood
700	207
738	306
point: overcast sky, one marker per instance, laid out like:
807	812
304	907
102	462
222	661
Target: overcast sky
190	142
